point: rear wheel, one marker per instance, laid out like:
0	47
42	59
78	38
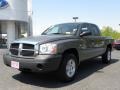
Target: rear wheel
68	67
106	57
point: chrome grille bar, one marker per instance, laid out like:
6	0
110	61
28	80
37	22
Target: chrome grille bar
23	50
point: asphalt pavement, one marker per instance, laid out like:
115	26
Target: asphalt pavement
92	75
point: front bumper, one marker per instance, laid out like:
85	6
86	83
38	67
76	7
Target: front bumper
41	63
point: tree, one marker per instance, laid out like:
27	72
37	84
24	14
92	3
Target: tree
108	31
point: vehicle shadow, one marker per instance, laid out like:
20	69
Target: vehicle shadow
50	80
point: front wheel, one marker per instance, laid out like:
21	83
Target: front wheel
68	67
24	71
106	57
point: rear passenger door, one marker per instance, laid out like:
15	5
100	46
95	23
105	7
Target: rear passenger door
86	43
98	40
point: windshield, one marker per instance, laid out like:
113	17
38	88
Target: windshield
66	29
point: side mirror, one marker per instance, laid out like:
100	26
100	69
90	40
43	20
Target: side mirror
85	33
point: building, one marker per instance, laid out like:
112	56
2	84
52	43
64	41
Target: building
15	20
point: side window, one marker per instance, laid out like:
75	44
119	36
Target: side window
95	30
84	27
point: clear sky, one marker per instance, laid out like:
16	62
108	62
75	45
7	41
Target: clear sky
50	12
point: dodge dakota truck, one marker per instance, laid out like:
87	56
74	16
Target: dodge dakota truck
59	48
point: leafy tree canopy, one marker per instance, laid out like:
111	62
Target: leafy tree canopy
108	31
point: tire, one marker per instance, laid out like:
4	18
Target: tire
68	68
106	57
24	71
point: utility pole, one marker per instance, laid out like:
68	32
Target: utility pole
30	23
75	18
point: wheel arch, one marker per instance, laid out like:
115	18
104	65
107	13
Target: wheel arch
72	51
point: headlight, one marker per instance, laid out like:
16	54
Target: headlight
48	48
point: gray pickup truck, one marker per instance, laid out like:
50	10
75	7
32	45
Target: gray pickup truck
60	48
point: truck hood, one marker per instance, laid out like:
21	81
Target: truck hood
44	39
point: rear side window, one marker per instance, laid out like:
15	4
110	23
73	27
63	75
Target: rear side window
84	27
95	30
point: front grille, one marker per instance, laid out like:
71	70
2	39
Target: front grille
19	49
28	46
27	53
14	51
15	45
14	48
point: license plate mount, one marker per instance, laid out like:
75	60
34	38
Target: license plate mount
15	64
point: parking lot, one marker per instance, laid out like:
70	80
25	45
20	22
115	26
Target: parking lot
92	75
